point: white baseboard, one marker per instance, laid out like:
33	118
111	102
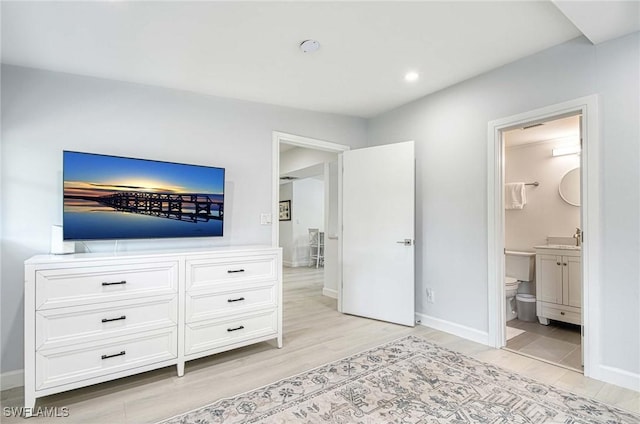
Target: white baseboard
607	374
622	378
11	379
290	264
330	293
453	328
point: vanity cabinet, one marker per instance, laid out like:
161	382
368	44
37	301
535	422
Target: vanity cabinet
94	317
559	284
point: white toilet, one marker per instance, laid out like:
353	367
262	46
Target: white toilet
519	267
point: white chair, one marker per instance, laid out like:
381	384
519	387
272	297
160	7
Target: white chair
316	247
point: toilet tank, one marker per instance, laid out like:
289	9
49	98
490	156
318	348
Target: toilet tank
520	265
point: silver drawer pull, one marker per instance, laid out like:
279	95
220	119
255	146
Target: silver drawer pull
235	329
235	300
114	355
233	271
114	283
114	319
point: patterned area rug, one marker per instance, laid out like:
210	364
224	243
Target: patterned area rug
407	381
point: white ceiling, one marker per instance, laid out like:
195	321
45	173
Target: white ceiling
313	171
249	50
602	21
567	129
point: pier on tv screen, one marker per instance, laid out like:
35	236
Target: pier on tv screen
111	197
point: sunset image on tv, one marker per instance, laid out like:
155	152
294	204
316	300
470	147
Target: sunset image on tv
110	197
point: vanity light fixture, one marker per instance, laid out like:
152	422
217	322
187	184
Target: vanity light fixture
569	150
411	76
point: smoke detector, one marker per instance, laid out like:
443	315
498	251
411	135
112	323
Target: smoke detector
309	46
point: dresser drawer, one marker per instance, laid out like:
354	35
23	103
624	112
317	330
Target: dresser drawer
55	367
207	306
203	336
203	274
562	313
80	324
56	288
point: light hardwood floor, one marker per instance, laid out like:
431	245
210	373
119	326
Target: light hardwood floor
314	334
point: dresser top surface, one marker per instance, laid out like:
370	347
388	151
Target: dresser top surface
159	253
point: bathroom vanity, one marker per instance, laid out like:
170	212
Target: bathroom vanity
559	283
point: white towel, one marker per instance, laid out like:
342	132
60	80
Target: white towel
514	196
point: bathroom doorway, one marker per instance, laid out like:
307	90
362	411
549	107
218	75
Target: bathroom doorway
543	235
587	108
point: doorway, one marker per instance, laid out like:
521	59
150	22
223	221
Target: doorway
543	283
590	211
393	276
307	162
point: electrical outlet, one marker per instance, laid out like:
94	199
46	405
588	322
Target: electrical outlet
431	296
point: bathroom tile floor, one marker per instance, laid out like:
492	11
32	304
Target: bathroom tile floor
558	342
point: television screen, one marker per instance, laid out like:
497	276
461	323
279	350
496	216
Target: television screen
110	197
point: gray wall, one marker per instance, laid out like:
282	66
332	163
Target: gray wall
450	130
46	112
286	227
307	211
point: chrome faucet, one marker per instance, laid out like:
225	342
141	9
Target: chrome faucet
578	236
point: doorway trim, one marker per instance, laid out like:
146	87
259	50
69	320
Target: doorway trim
308	143
295	140
590	218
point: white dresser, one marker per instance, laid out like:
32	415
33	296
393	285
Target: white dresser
91	318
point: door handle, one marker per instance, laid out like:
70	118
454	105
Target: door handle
406	242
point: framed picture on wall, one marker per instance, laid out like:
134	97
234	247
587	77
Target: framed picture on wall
285	210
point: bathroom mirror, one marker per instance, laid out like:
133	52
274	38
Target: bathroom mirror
570	187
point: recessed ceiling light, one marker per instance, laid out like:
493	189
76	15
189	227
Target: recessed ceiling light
411	76
309	46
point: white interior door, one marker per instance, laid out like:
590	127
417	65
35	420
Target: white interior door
378	189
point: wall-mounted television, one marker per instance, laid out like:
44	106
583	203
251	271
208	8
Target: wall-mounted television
112	197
